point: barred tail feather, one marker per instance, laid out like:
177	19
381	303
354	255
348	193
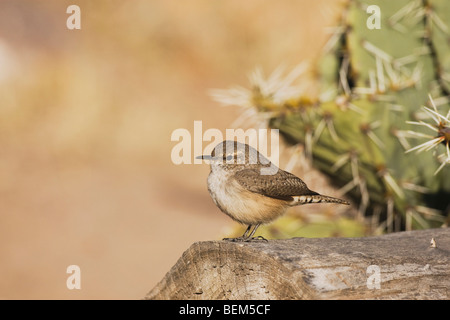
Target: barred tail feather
316	198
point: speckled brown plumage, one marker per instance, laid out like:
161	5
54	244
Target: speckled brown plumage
251	190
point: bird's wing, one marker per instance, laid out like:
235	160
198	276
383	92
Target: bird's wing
282	185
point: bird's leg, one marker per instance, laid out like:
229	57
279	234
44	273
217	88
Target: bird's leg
247	237
244	237
253	232
250	237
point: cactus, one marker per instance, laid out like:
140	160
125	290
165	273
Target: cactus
380	127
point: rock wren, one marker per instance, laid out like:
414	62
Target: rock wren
251	190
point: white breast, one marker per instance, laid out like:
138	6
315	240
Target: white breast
220	192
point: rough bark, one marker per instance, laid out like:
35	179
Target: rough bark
314	268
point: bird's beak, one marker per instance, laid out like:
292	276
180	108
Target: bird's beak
204	157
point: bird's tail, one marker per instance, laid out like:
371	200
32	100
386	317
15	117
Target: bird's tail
316	198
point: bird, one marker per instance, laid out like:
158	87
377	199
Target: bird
253	191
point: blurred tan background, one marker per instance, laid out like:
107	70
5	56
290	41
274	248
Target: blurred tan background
86	117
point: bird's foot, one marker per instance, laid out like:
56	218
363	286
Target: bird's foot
258	238
239	239
246	239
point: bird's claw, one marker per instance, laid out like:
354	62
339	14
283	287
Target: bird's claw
246	239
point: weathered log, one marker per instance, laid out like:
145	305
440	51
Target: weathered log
395	266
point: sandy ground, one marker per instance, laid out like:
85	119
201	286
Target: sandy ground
86	117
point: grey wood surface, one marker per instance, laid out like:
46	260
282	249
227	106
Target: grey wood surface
395	266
